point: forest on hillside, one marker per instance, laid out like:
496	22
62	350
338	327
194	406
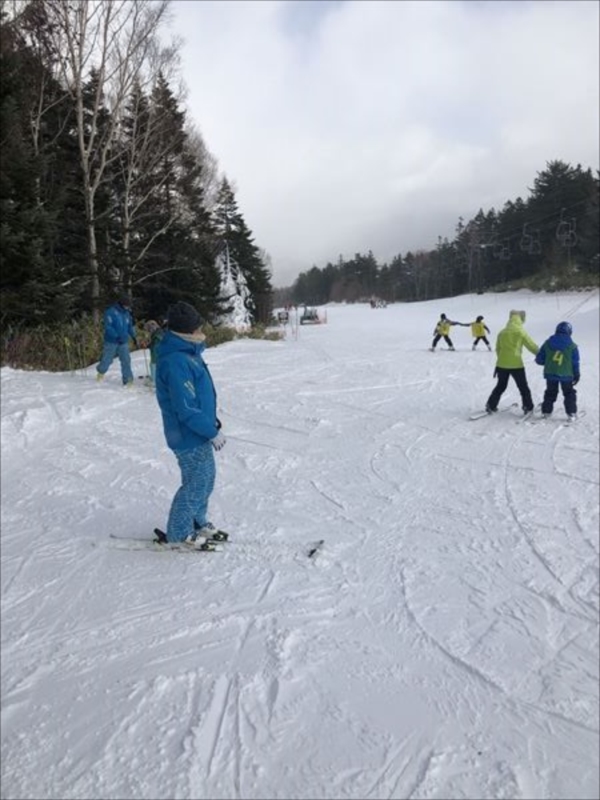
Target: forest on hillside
106	185
553	236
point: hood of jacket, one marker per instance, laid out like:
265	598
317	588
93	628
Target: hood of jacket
172	343
559	341
514	321
511	341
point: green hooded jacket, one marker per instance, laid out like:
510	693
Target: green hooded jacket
511	340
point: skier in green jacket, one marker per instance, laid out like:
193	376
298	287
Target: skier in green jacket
509	361
156	332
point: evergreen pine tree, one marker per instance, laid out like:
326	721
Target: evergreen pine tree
236	245
37	263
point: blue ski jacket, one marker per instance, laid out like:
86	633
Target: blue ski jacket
118	325
559	356
185	393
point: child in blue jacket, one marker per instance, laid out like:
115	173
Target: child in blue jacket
188	403
560	357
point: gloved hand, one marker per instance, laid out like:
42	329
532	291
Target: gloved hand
576	380
121	341
219	441
135	343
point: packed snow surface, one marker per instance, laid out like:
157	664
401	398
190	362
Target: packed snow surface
442	644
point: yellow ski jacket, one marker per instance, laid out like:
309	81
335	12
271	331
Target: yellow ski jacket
444	325
479	329
511	340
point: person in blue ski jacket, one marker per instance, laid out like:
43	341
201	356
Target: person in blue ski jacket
118	330
187	399
559	356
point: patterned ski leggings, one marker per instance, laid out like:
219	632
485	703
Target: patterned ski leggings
191	499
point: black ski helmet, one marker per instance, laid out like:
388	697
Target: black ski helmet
479	319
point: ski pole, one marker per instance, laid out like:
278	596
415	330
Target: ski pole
261	444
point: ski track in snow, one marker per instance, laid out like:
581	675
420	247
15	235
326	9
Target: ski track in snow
443	643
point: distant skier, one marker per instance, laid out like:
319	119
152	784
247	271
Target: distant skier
509	346
442	330
118	329
188	403
560	357
479	330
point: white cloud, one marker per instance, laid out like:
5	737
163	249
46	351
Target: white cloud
374	125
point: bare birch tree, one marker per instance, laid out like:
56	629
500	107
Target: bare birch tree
112	40
144	148
211	179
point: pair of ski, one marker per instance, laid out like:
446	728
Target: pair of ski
560	420
202	544
529	417
161	545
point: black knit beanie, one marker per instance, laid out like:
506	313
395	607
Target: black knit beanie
183	318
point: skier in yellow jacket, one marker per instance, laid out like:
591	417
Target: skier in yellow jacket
509	346
442	330
479	330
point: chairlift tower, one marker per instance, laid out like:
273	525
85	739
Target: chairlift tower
566	234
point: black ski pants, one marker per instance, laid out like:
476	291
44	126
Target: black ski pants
551	393
438	336
480	339
520	378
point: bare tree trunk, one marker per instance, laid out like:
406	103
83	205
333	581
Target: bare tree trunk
92	253
210	168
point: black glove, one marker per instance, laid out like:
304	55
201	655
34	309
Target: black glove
576	380
218	424
120	341
135	343
495	372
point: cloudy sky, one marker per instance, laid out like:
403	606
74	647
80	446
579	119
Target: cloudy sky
348	125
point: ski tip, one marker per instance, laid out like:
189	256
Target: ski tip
314	549
160	536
